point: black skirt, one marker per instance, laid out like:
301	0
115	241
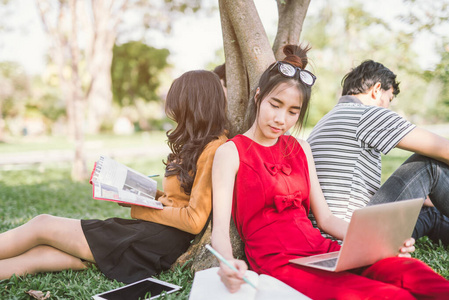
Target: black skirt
130	250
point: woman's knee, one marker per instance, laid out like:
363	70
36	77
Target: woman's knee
41	219
382	270
41	225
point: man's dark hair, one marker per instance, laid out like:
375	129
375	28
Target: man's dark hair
366	75
221	72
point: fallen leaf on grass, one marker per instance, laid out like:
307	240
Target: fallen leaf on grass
38	294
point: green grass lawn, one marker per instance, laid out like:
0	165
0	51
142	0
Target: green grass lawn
48	189
25	193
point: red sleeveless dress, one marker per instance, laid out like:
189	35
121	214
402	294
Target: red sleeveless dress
271	204
270	210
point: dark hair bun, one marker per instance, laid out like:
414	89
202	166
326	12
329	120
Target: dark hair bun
296	55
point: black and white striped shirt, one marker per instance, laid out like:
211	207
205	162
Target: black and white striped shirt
347	144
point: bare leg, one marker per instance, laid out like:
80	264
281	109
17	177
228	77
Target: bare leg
61	233
39	259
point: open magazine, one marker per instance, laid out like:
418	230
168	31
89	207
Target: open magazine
113	181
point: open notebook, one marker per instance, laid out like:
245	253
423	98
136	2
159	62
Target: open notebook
375	232
207	285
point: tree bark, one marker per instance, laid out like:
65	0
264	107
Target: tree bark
251	38
79	170
236	76
2	120
291	18
198	258
59	44
247	55
102	32
66	54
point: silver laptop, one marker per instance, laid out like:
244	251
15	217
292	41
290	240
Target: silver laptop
375	232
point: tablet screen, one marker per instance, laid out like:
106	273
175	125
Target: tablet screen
139	290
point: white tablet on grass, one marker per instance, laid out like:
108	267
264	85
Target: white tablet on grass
145	289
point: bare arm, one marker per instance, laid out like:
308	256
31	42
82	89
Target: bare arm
224	170
192	217
426	143
325	219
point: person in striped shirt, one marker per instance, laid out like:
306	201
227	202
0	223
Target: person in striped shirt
347	144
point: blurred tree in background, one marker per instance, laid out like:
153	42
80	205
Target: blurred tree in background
441	75
115	77
14	91
431	18
83	34
28	105
136	69
342	36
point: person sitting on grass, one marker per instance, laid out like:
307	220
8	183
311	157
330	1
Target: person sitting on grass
132	249
267	181
220	70
348	141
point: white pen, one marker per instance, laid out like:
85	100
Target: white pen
218	255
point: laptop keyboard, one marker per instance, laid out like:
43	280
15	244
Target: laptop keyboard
326	263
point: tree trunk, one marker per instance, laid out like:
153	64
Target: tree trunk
102	31
247	55
100	96
291	18
251	38
236	77
59	44
79	170
198	258
66	53
2	120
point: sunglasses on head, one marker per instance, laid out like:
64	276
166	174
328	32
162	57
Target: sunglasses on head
290	71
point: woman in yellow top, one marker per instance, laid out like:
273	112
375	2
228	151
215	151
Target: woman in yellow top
131	249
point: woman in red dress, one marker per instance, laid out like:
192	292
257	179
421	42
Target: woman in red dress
267	181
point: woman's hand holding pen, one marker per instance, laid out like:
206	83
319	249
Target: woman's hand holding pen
407	248
232	279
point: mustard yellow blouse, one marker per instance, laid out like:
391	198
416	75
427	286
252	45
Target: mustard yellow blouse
185	212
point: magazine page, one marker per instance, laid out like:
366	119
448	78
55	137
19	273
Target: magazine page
114	181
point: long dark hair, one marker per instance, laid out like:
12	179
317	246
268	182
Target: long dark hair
271	78
196	102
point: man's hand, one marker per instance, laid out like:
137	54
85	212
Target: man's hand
428	202
407	248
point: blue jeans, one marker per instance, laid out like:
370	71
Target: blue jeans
418	177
